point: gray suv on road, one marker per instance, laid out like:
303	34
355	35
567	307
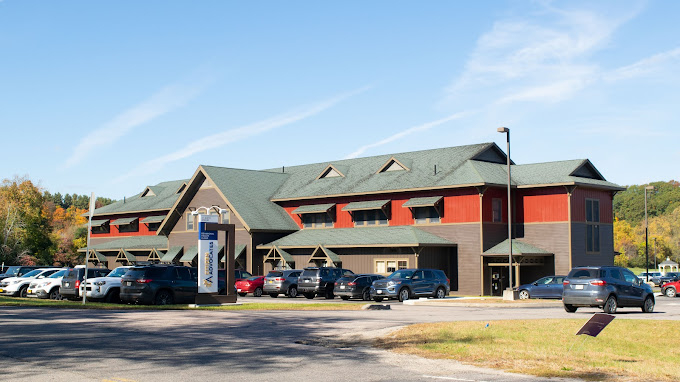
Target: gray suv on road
408	283
606	287
320	281
281	282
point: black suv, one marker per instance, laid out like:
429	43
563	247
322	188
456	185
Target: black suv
606	287
315	281
159	285
408	283
70	283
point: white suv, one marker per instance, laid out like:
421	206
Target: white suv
105	288
18	286
47	287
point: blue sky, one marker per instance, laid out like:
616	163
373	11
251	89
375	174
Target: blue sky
113	96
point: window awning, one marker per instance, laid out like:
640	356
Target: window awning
99	222
190	254
97	255
324	254
153	219
154	255
124	255
363	206
124	221
170	255
277	254
239	251
428	201
313	208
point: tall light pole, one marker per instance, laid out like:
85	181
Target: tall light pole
507	133
646	233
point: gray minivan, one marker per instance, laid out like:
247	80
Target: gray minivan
606	287
284	281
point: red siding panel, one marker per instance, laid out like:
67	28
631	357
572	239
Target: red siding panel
542	205
578	204
113	232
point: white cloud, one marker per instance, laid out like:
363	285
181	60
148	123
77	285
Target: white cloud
165	100
656	63
237	134
411	130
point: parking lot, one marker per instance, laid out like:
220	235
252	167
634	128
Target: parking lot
91	345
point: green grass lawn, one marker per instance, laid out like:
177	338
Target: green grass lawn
625	350
34	302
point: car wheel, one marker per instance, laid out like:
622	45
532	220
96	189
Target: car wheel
257	292
366	295
441	293
292	292
164	298
329	294
344	297
648	306
242	294
570	308
670	292
273	295
113	296
524	294
55	295
377	299
610	306
403	295
23	291
309	295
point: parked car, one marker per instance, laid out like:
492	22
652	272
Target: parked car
408	283
319	281
47	287
17	271
355	286
18	286
238	276
606	287
159	285
105	288
670	289
251	285
545	287
669	277
70	283
653	277
282	282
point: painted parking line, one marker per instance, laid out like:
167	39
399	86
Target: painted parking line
453	379
119	380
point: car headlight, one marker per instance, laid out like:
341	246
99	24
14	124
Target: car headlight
15	282
42	285
392	282
100	283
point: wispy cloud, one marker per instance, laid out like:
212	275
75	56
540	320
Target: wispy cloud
409	131
652	64
165	100
237	134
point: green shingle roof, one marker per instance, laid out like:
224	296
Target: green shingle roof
559	172
126	255
367	205
422	202
99	222
250	193
170	255
239	250
132	243
190	254
518	248
166	195
124	221
403	236
153	219
313	208
97	255
287	257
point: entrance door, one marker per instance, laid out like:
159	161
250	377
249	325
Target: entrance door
499	280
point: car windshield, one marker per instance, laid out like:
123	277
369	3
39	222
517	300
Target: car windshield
32	273
401	275
274	274
12	271
584	273
309	272
57	274
118	272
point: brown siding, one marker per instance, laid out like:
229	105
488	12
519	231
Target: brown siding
205	197
554	238
580	257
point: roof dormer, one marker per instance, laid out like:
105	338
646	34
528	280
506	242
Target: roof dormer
181	188
587	170
331	172
393	164
148	192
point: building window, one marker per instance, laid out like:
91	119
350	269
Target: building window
424	215
389	266
319	220
154	226
190	221
226	216
369	217
592	225
497	207
132	227
104	228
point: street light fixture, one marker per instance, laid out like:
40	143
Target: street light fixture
646	233
507	132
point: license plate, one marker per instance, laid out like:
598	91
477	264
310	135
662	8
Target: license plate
271	281
378	292
2	290
238	290
342	287
578	286
30	291
128	283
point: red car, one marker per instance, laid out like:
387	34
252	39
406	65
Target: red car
670	289
250	285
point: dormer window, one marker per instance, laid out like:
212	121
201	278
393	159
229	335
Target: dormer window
181	188
148	192
393	165
331	172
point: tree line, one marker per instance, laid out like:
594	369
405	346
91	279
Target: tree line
663	221
40	228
